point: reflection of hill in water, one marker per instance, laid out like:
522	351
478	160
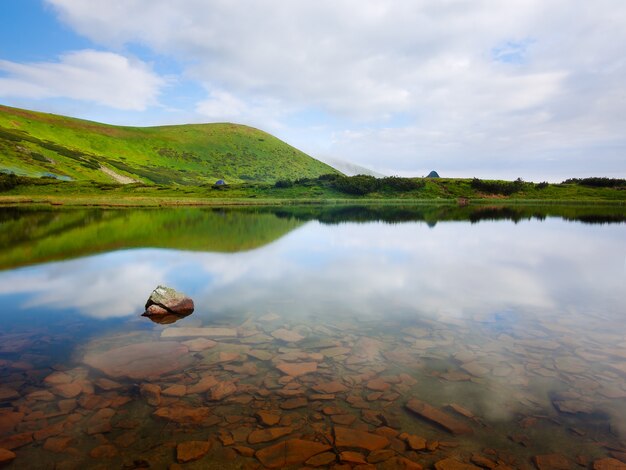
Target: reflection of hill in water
35	236
432	214
30	236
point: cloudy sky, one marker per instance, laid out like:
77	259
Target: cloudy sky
528	88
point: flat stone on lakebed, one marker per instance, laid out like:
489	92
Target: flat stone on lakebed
139	361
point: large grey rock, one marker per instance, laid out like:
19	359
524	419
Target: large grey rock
165	301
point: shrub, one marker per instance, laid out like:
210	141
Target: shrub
598	182
505	188
283	184
8	181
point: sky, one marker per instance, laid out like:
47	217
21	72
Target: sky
524	88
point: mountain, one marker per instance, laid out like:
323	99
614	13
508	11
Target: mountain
39	144
349	168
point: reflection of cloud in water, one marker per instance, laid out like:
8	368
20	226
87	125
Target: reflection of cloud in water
455	269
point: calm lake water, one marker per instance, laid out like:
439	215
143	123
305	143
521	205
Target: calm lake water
489	336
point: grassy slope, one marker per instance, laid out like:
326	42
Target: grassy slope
34	144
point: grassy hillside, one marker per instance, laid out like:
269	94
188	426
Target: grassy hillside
37	144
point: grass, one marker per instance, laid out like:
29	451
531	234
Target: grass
312	190
38	144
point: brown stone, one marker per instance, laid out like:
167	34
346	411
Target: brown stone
260	354
287	335
108	384
398	463
453	464
191	450
351	457
175	391
324	458
226	438
347	437
416	442
483	461
609	464
58	378
152	393
57	444
221	391
70	390
49	431
6	456
438	417
290	452
330	387
267	418
344	420
293	403
199	344
139	361
183	414
106	451
100	422
190	332
381	455
16	440
552	462
225	356
8	420
322	396
269	434
8	393
377	385
297	369
203	385
243	450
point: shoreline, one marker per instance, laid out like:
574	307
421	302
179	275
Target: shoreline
130	202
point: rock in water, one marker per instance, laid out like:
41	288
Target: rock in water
165	301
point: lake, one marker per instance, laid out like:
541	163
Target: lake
394	335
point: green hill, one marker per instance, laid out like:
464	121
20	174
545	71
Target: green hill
39	144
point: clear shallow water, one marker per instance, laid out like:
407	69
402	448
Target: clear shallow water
511	318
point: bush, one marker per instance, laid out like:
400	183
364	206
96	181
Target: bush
283	184
358	185
8	181
505	188
542	185
597	182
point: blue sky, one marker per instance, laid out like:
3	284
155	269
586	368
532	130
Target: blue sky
470	88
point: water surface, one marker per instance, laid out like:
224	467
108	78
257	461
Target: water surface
508	321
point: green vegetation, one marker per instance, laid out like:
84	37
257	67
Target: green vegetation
46	158
37	144
30	235
329	188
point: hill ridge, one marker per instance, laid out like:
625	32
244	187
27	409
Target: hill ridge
46	144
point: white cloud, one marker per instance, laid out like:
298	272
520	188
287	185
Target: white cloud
462	84
104	78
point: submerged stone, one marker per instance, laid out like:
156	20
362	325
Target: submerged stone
552	462
191	450
138	361
438	417
290	452
349	437
270	434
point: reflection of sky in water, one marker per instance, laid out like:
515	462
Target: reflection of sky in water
454	269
